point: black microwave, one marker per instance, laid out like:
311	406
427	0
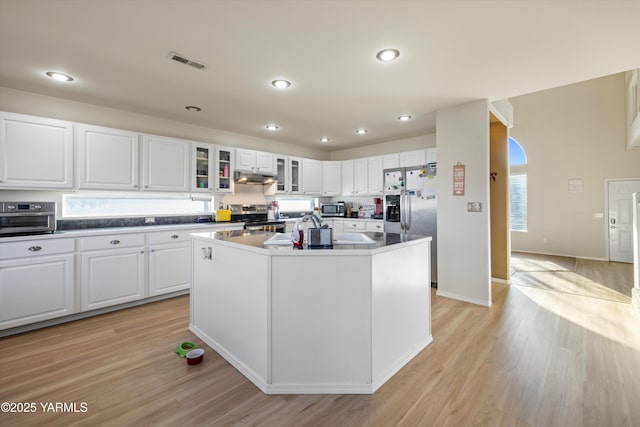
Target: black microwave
332	209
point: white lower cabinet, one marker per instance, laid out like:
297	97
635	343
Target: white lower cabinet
375	225
36	287
113	270
353	225
169	262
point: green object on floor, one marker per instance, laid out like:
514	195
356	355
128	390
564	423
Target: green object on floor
185	348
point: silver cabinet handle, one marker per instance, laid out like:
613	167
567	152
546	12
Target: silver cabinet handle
206	253
174	236
115	242
35	248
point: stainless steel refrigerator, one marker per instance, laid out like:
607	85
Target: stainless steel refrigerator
410	205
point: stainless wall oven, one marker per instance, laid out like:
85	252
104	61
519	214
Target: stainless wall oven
23	218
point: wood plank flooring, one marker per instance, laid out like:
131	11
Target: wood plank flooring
535	358
596	279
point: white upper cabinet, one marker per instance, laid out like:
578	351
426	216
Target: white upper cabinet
347	177
202	161
354	177
390	161
224	169
35	152
375	181
432	155
288	172
106	159
254	161
360	176
165	163
331	185
311	176
412	158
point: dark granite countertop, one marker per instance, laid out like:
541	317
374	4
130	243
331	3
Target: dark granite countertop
254	239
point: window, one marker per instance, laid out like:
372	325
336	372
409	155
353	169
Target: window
517	187
74	206
296	205
518	201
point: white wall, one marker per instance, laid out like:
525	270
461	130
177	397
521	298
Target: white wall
398	146
17	101
464	246
572	132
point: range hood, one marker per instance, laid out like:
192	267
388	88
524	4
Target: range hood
242	177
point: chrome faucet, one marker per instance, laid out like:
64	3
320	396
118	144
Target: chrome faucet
316	221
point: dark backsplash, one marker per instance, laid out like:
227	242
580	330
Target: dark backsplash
81	224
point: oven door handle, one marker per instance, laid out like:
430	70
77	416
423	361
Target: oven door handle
4	214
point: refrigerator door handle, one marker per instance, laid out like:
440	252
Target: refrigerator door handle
408	217
403	212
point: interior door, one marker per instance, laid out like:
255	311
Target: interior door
620	220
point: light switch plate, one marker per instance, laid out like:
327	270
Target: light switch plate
474	207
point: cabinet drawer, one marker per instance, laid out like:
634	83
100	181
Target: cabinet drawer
169	236
111	241
374	226
354	225
29	248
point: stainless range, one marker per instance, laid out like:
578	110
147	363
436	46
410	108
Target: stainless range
255	217
23	218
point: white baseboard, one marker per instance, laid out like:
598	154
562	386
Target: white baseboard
328	388
463	298
562	255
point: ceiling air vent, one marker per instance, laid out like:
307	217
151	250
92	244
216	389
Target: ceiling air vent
184	60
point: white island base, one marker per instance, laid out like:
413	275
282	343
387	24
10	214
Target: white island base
312	321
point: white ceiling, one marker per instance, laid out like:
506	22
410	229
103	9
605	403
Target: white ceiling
450	52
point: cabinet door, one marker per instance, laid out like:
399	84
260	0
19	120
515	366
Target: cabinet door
375	181
169	268
412	158
390	161
35	152
36	289
353	226
331	185
245	160
432	155
224	169
112	277
376	225
166	163
281	169
107	159
295	175
360	176
311	176
264	162
347	178
202	171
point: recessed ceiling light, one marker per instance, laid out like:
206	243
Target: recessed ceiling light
281	84
272	127
59	76
325	140
193	108
404	118
387	55
361	131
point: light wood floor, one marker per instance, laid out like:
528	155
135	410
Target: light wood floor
535	358
597	279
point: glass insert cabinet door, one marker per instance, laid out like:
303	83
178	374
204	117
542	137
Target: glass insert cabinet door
202	168
295	175
224	172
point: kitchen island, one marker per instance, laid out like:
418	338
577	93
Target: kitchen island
341	320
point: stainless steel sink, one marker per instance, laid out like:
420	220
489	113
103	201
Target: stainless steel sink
352	239
279	239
